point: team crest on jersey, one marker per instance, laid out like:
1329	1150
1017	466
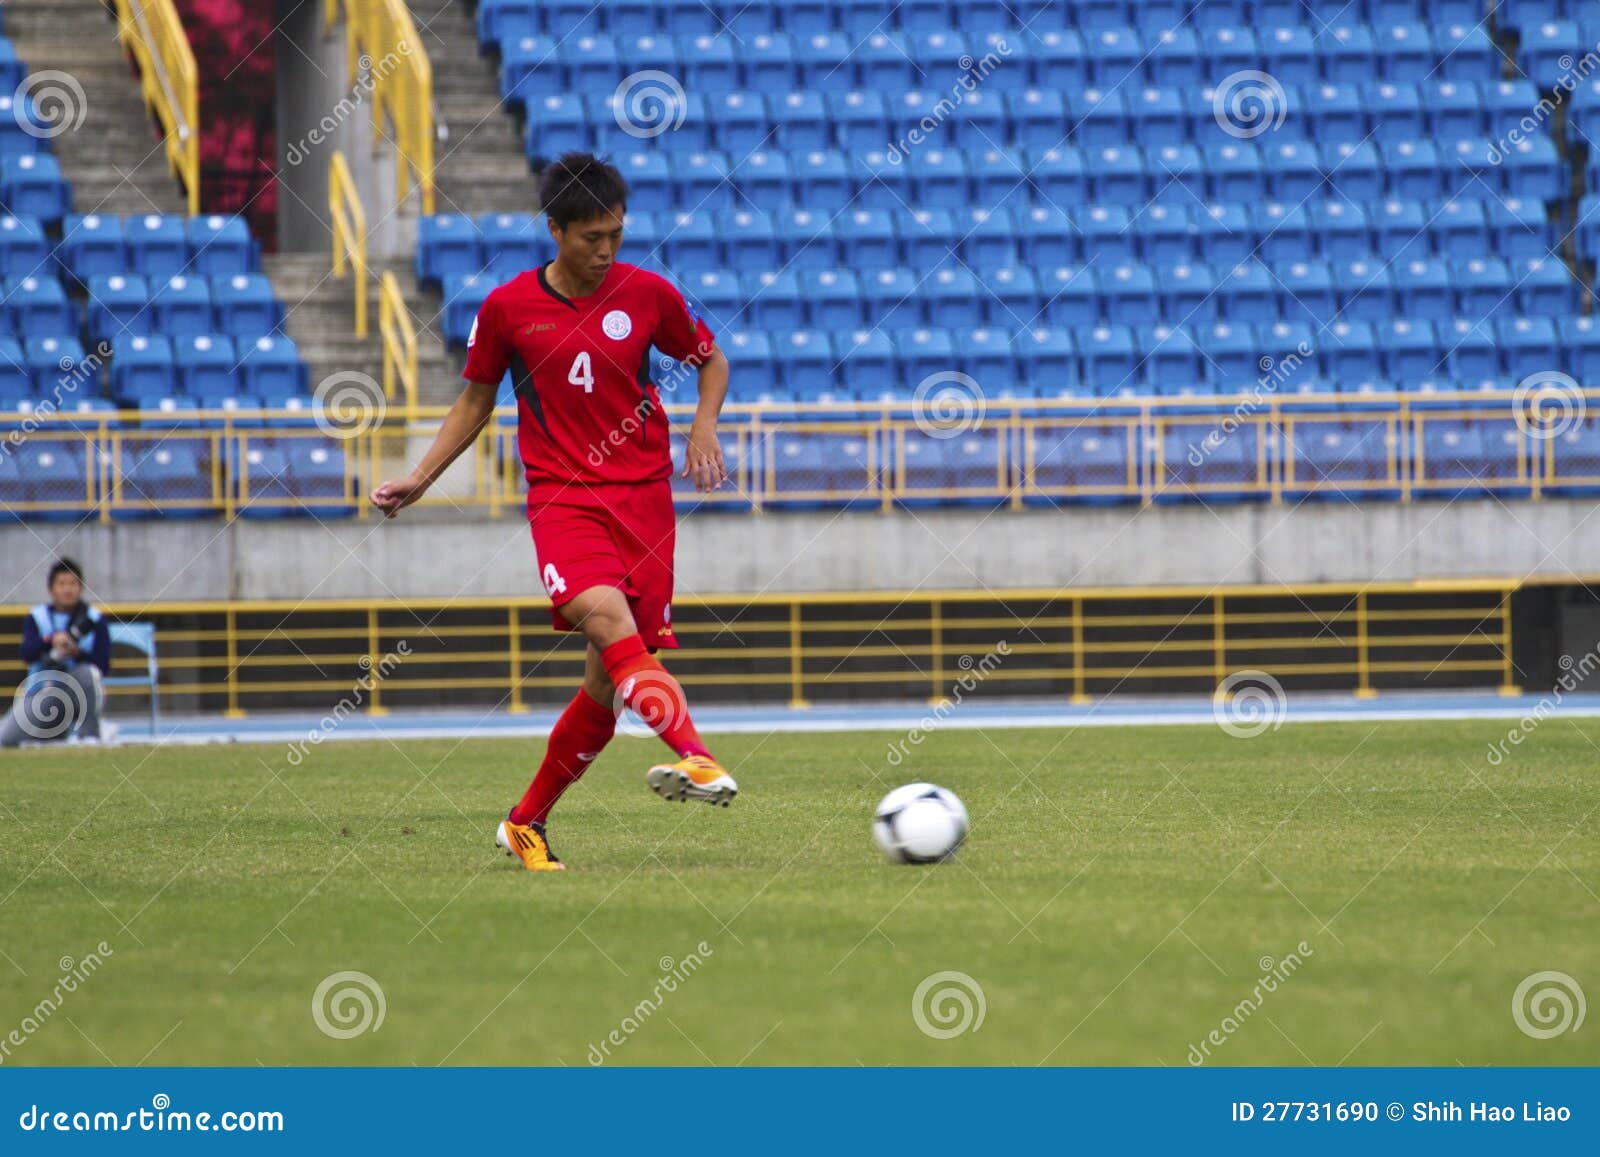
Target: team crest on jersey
617	325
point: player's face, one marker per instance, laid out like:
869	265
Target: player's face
588	247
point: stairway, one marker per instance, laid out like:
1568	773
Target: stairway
114	158
480	162
321	319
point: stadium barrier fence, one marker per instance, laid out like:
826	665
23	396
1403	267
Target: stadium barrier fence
1390	447
349	228
796	649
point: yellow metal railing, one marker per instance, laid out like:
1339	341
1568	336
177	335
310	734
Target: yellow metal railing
381	40
1076	644
399	341
1018	455
151	32
349	222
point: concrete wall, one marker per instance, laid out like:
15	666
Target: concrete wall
323	109
427	555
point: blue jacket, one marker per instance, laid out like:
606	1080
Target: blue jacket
44	620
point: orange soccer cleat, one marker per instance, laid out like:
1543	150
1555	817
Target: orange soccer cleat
693	777
528	843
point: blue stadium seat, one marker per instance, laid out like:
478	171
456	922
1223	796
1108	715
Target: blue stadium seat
270	366
22	130
799	122
55	365
447	243
38	305
773	299
142	365
739	122
31	185
118	304
1348	352
220	245
804	359
206	365
1471	352
1549	49
752	352
245	305
15	381
158	246
891	299
867	363
181	307
92	245
558	123
749	241
23	247
806	238
924	352
528	70
831	299
1424	290
463	296
170	477
1483	288
1189	293
1526	344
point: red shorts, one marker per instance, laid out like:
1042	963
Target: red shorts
617	535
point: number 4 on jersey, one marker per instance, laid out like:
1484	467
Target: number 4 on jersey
582	373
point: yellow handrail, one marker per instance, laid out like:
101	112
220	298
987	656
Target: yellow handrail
381	36
151	32
349	222
399	341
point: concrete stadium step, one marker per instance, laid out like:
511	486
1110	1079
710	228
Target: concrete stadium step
480	165
320	317
114	157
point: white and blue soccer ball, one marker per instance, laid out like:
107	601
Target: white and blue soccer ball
920	823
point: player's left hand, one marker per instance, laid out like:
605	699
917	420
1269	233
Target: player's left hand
703	460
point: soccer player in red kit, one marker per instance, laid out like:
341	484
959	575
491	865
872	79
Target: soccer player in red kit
576	335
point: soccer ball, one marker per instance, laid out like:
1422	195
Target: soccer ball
919	824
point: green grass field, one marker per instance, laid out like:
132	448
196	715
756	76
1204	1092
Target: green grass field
1114	903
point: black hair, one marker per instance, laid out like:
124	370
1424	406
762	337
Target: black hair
578	187
64	566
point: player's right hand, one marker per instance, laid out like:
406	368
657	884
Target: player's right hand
392	497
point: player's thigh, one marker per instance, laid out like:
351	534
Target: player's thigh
601	613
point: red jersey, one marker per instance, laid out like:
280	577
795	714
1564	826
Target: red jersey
586	407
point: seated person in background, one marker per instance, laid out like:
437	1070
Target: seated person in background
66	645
